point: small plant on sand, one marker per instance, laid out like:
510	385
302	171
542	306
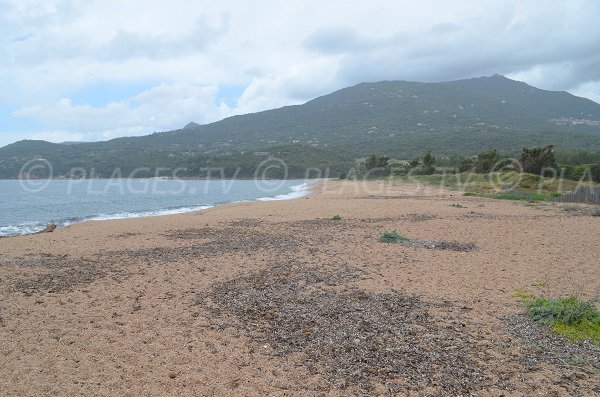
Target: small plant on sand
392	237
596	212
570	317
336	217
577	361
570	208
469	194
455	205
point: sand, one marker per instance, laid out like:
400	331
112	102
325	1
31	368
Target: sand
276	298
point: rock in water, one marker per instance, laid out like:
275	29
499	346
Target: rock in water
48	229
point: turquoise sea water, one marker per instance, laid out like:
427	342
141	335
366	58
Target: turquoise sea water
27	206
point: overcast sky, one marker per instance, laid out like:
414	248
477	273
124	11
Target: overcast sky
99	69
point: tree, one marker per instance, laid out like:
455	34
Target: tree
465	164
536	159
486	161
377	166
428	164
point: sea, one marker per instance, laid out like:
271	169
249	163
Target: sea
28	206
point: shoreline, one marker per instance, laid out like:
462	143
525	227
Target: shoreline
297	191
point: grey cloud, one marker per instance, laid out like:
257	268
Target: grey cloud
132	45
334	40
478	47
446	27
43	47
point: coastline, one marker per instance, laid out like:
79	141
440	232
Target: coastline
297	191
143	305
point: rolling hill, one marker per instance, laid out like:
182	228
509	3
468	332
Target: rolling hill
398	118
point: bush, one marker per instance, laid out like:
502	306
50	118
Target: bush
486	161
596	212
377	166
428	162
536	159
465	164
392	237
570	317
336	217
586	172
579	171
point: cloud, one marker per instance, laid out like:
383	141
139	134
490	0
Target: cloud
127	44
282	53
166	106
60	44
334	39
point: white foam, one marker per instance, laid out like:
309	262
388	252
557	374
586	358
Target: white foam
142	214
22	228
298	191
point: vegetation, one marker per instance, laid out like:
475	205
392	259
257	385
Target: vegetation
453	119
596	212
571	317
538	160
392	237
570	208
428	162
486	161
336	217
508	185
377	166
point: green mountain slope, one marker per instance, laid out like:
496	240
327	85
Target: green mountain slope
398	118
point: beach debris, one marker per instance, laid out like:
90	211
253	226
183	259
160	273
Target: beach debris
55	273
395	237
353	338
442	245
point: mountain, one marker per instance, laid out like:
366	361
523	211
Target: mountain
398	118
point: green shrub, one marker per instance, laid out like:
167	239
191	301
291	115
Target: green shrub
469	194
337	217
455	205
486	161
596	212
535	160
587	172
392	237
571	317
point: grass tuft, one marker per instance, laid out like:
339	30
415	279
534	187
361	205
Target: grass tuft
522	295
336	217
570	317
596	212
392	237
520	196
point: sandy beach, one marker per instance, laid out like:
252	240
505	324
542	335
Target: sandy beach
276	298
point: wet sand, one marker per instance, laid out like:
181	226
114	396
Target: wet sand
276	298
